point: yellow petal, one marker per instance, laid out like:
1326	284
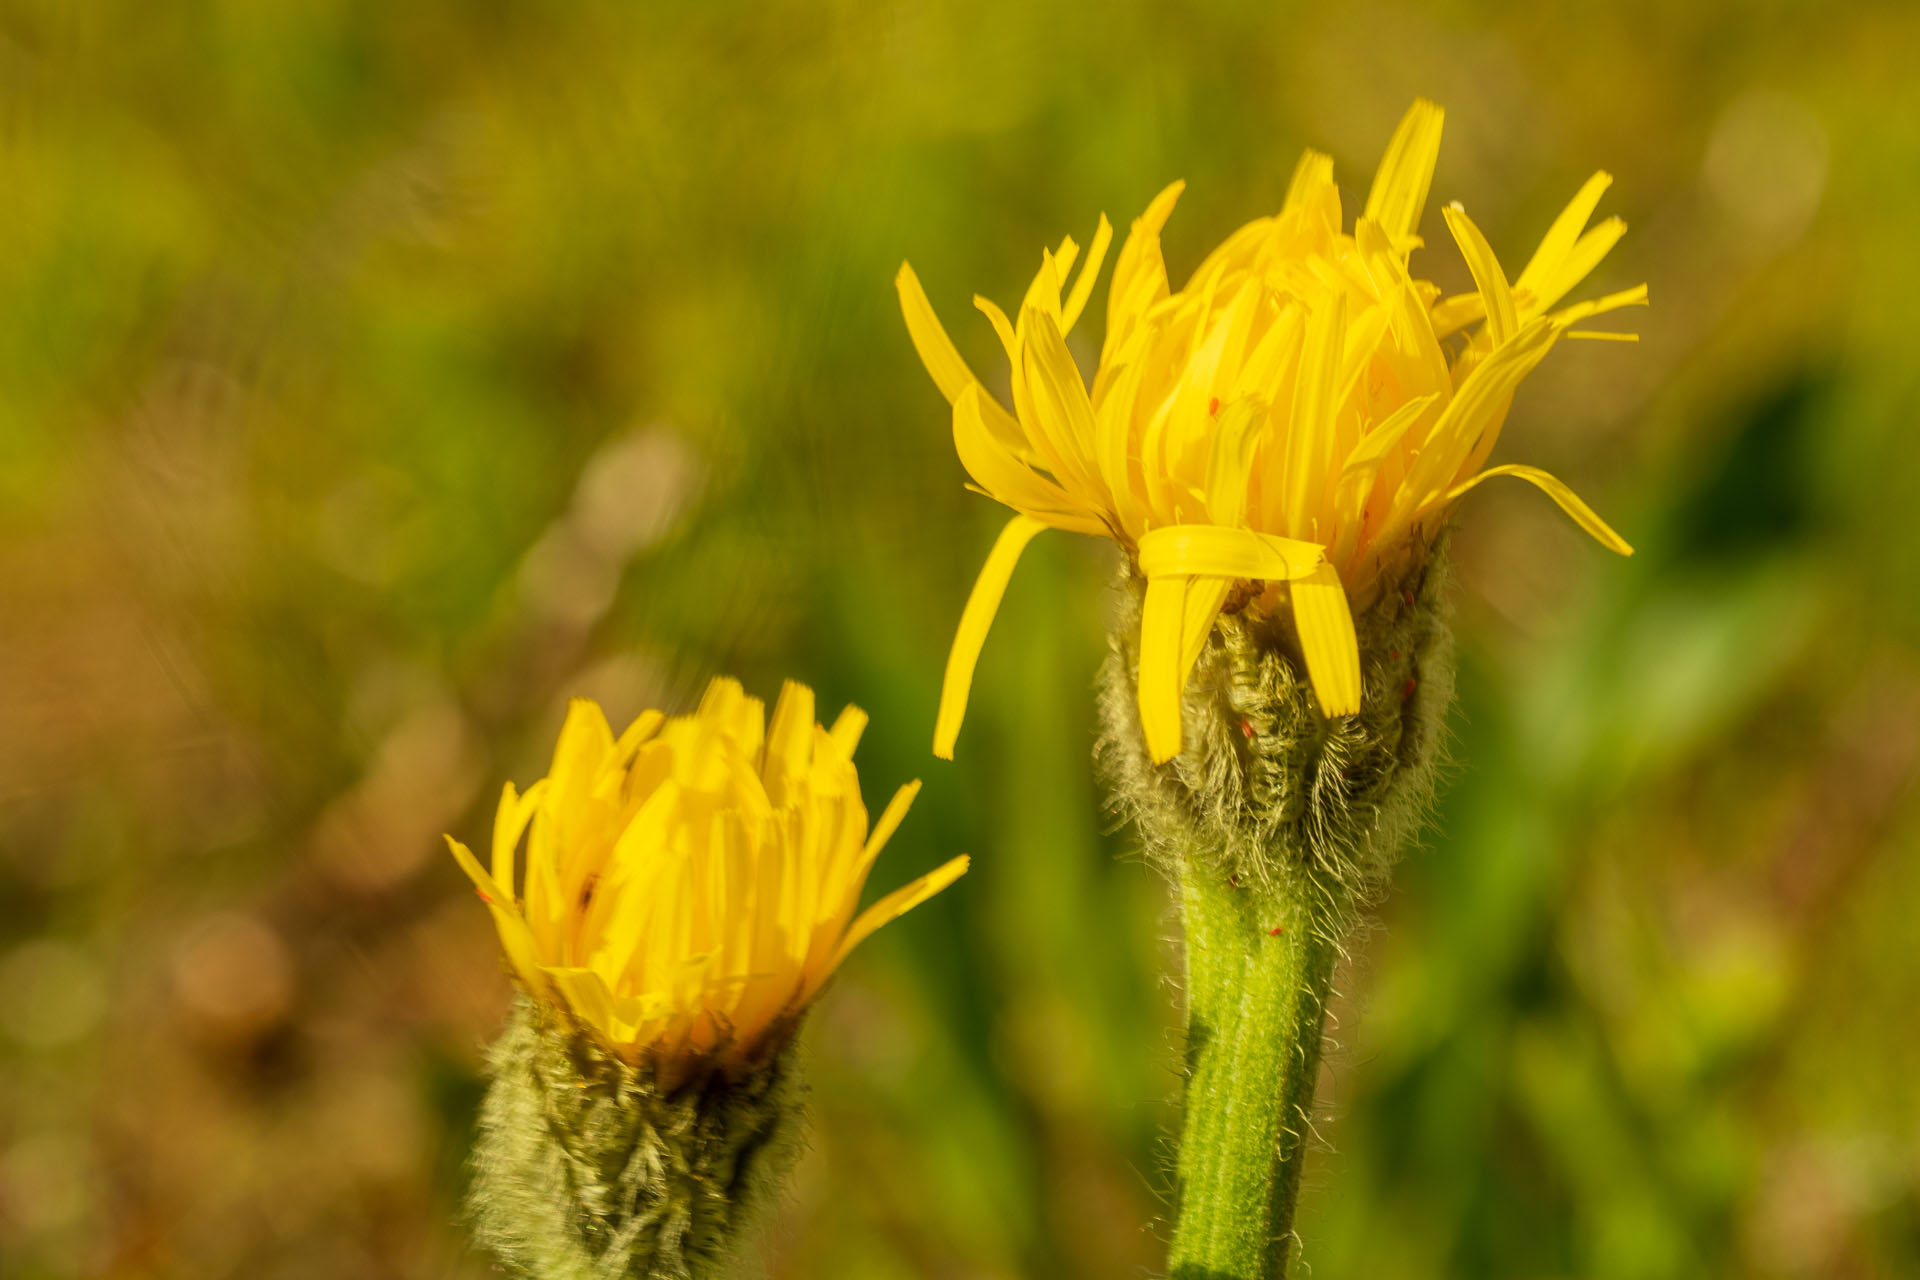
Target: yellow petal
1450	315
1236	439
637	734
1083	286
1005	478
1211	550
1139	273
1065	414
1115	455
1502	319
1582	514
628	890
1634	297
1357	476
847	728
890	819
515	939
1585	255
1002	327
1544	268
1406	170
982	604
937	352
1413	334
1204	598
1470	419
1315	402
585	742
509	824
1364	461
1313	170
897	904
1325	622
1043	295
789	740
1236	253
587	992
1064	257
1373	446
1001	424
1158	695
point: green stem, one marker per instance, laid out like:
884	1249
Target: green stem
1259	970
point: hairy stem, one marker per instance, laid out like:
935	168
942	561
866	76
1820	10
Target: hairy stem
1259	970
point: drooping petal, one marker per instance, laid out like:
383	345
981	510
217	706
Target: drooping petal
937	352
1161	616
1207	549
1204	598
1325	623
977	617
1569	502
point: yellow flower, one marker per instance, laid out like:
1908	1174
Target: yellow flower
1304	413
690	885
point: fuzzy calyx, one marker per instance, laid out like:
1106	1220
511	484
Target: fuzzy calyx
1267	791
585	1169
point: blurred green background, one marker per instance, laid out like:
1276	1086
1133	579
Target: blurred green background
373	376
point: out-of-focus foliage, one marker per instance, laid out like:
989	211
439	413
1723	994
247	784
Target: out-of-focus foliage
374	376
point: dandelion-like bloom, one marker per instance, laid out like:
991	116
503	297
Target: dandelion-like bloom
1286	432
690	885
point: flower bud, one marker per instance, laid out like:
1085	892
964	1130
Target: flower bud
688	888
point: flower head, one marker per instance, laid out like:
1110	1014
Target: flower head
690	885
1300	418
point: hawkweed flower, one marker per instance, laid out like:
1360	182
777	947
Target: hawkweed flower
686	890
1277	448
1294	425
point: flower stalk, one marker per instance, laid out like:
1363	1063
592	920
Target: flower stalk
1258	977
1277	827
